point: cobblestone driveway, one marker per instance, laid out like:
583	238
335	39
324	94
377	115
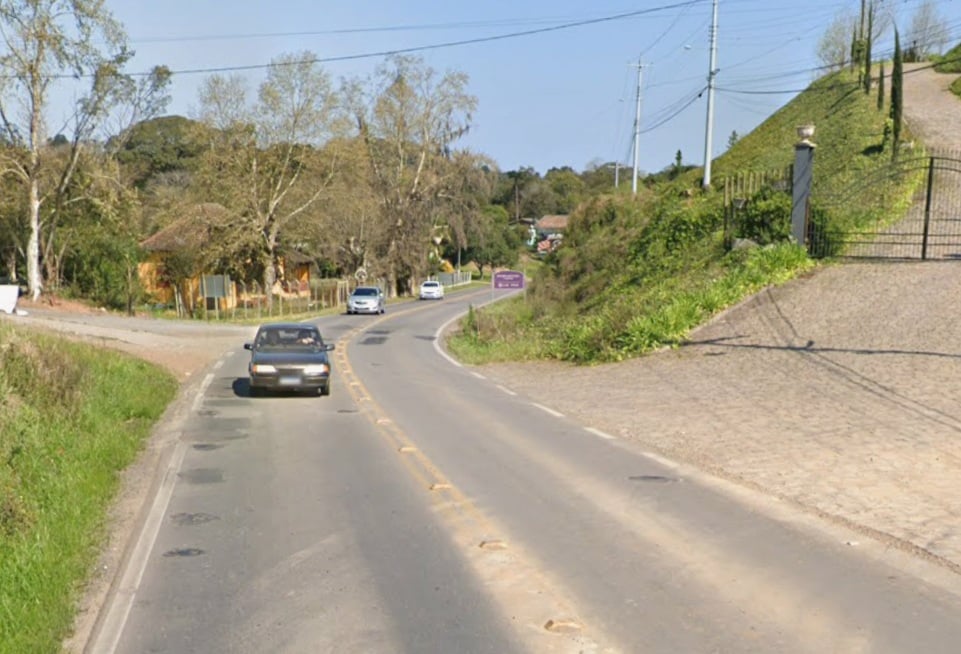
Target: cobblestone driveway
837	392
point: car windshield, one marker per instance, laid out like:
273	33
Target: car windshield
430	284
288	338
365	291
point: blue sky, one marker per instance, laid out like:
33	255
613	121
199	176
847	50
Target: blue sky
563	97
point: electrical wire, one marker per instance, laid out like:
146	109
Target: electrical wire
424	48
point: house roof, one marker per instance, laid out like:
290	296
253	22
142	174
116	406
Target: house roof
552	222
191	230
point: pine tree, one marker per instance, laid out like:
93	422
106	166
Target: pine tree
867	50
881	87
897	93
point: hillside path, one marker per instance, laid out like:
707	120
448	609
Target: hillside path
931	111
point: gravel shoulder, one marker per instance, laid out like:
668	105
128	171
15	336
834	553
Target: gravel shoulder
184	348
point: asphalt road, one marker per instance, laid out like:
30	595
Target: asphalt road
423	508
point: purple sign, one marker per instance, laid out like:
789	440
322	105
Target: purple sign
508	279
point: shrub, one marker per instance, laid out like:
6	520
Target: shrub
766	218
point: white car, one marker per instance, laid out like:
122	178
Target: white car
431	290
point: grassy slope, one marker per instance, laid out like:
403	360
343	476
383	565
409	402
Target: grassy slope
72	416
849	133
638	274
950	62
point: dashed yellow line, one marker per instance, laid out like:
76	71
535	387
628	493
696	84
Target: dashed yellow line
529	601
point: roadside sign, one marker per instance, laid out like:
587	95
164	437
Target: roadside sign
508	279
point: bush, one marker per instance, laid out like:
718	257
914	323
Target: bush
766	218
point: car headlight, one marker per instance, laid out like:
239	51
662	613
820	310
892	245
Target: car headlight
262	369
321	369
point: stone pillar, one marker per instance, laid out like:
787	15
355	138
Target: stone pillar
801	185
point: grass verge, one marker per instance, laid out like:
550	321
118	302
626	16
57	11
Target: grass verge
72	417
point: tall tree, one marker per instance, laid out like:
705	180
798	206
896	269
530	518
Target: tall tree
567	186
45	40
837	45
494	242
897	93
259	164
869	40
881	87
928	33
410	119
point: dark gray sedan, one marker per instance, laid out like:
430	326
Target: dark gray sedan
289	356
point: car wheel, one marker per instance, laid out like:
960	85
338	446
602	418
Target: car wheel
325	389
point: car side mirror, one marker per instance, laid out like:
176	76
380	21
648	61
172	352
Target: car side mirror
248	346
328	347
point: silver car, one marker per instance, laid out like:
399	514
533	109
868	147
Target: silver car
366	299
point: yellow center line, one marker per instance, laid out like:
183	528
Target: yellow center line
530	602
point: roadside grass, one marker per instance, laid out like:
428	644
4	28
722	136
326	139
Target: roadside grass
638	319
72	417
638	274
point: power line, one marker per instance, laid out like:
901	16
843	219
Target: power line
429	47
695	97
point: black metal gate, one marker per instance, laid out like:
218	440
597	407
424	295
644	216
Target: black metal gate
926	226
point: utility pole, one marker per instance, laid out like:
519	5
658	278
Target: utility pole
637	125
711	73
617	172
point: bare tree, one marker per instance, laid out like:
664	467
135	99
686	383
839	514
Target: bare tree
409	118
259	164
43	41
345	229
834	46
928	33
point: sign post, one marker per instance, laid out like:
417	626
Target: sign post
506	280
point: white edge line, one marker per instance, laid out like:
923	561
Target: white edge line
200	392
549	410
478	375
598	432
664	461
440	330
506	390
122	603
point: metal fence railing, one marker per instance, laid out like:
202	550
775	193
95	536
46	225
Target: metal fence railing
251	301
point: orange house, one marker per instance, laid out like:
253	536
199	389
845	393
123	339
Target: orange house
189	233
193	232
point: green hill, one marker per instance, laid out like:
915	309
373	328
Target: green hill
635	274
850	134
